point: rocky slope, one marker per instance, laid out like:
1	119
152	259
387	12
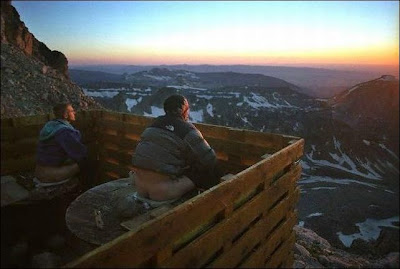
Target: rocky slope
33	78
370	113
313	251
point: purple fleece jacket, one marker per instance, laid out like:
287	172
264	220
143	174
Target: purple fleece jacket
66	143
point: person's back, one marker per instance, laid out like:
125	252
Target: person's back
172	156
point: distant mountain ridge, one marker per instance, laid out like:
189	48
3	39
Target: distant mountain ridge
84	76
162	77
316	82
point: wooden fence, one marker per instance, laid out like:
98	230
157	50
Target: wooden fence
246	221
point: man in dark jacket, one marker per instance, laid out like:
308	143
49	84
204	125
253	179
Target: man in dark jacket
60	152
172	156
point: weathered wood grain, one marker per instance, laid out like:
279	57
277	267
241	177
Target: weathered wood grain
25	163
242	247
282	252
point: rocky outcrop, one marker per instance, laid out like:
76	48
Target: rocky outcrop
30	87
312	251
33	78
14	31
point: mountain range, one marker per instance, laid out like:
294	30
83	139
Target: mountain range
316	82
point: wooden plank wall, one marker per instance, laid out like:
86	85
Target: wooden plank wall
246	221
19	138
236	149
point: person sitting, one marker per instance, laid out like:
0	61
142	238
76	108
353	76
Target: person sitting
60	152
172	157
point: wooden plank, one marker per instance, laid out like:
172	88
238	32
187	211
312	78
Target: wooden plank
267	140
257	258
279	238
139	120
6	122
24	157
120	142
288	261
122	156
281	254
108	115
271	166
122	126
198	252
118	169
213	131
25	163
33	127
238	148
134	224
31	120
243	245
20	132
19	148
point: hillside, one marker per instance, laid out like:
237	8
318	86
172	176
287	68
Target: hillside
33	78
372	108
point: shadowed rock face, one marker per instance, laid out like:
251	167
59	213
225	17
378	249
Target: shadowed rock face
33	78
14	31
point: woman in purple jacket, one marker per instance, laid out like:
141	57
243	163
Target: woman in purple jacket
60	152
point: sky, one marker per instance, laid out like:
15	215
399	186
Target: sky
307	33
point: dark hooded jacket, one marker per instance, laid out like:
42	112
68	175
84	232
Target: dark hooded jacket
176	147
59	141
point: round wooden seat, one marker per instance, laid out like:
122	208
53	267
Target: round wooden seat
104	201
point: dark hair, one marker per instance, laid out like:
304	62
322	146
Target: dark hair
174	104
59	110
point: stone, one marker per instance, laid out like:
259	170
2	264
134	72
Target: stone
300	250
44	69
390	261
299	264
